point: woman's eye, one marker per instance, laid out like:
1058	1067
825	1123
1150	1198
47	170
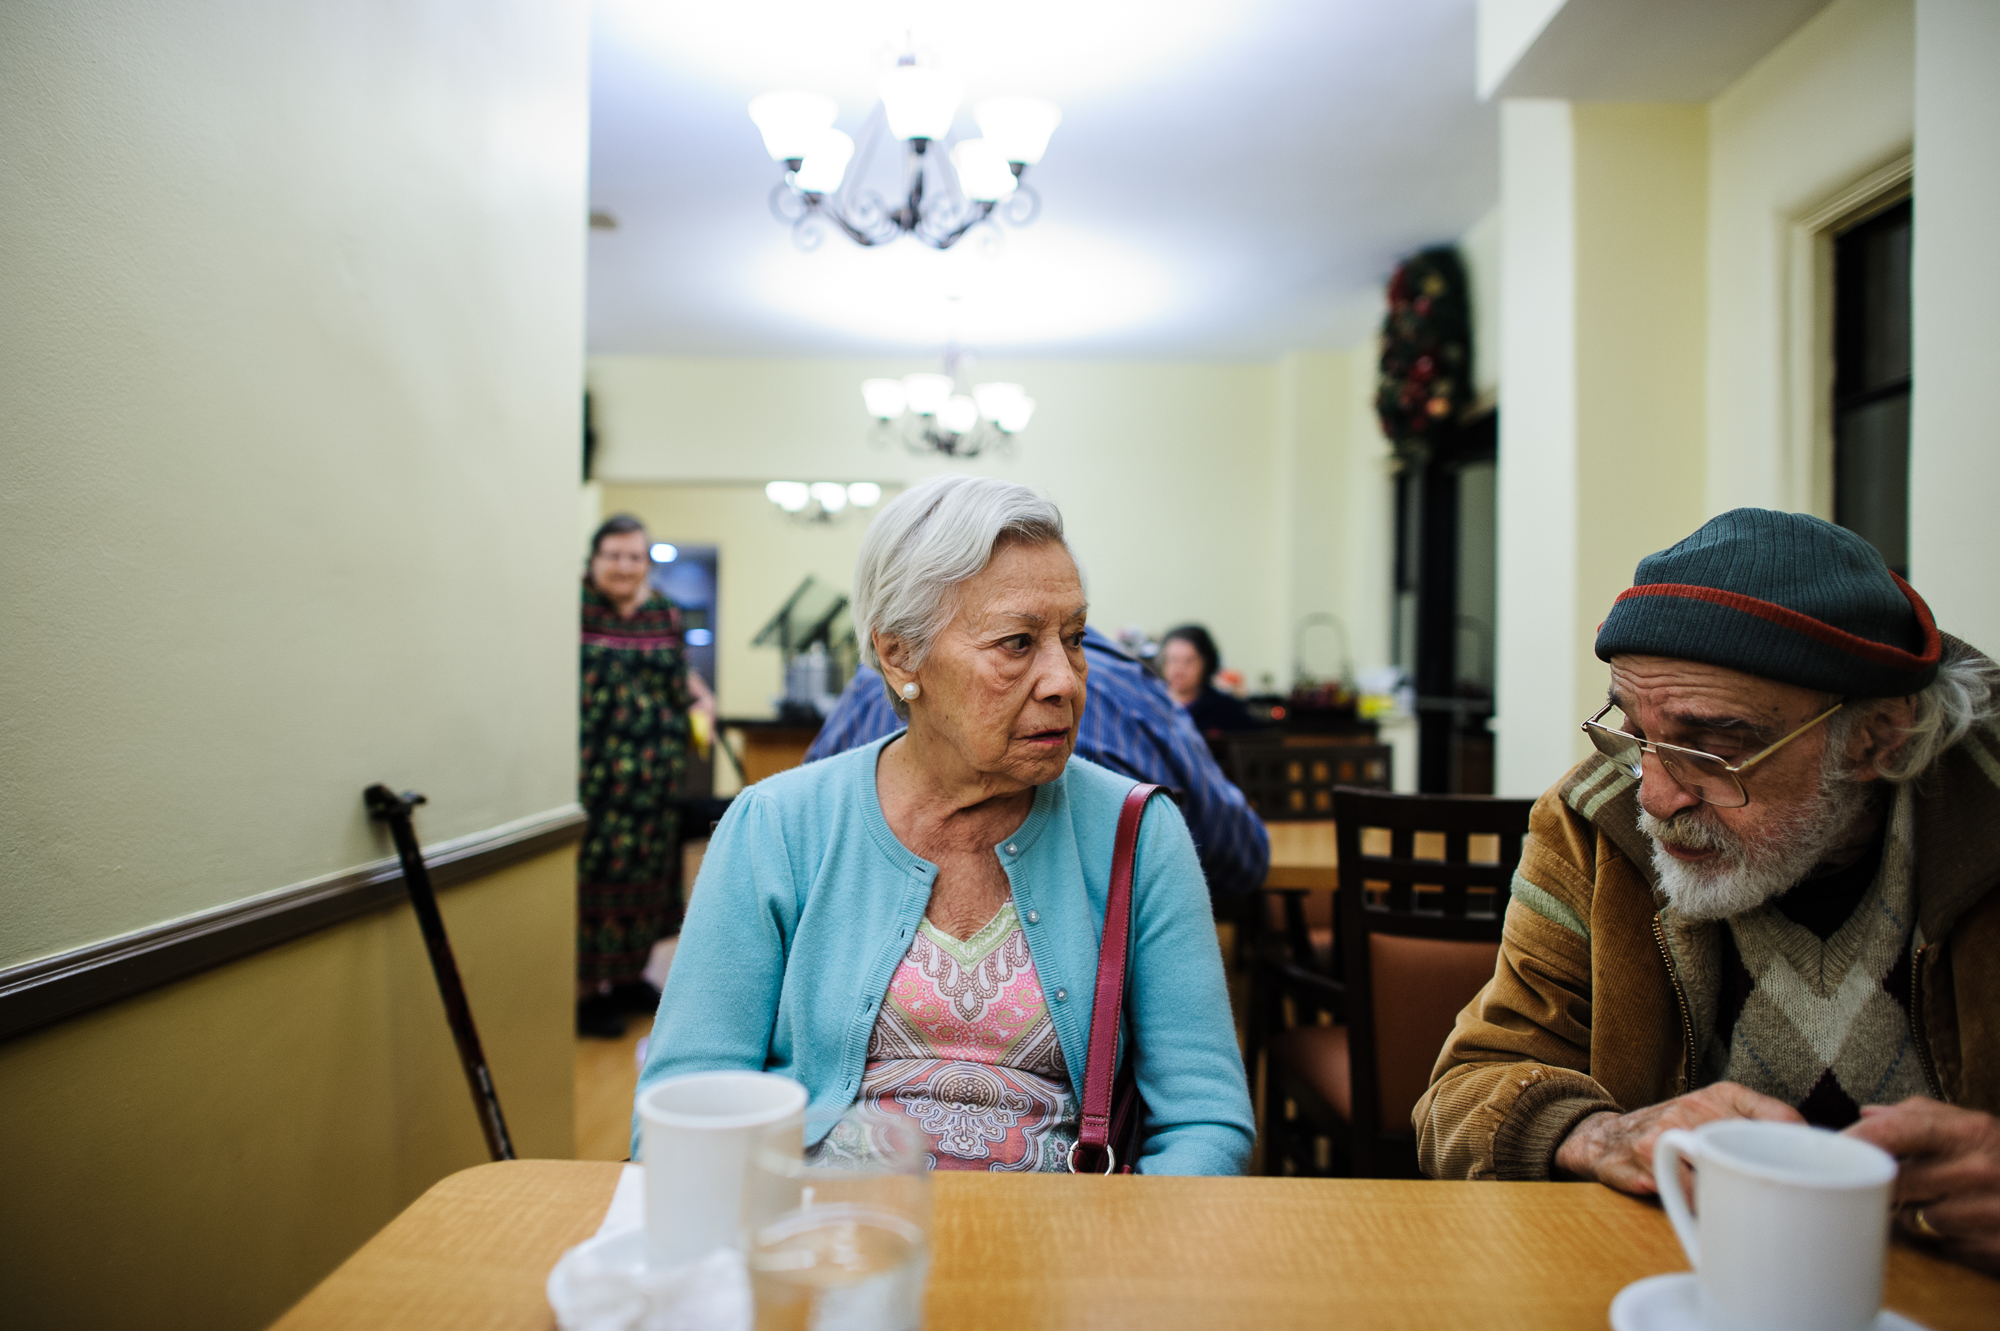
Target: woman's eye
1020	642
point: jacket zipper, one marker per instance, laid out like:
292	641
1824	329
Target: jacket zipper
1680	996
1917	1024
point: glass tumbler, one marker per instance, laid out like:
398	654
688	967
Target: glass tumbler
841	1241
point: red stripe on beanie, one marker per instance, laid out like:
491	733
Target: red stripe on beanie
1818	630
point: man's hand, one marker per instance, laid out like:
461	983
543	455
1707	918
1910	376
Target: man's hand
1618	1148
1948	1189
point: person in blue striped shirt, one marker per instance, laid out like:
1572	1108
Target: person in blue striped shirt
1130	725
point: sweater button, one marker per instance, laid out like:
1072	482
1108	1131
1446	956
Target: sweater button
1034	917
1012	849
1062	995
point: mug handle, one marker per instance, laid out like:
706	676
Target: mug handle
1673	1144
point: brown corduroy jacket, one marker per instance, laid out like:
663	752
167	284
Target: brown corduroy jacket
1600	987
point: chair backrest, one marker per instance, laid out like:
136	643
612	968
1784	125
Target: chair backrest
1292	781
1423	892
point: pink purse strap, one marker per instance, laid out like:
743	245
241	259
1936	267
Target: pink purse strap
1108	1006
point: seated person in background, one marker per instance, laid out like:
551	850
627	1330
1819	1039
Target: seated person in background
910	929
1132	727
1188	661
1772	894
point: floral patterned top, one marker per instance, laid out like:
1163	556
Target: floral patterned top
964	1049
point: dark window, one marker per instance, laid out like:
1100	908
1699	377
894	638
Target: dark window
1871	382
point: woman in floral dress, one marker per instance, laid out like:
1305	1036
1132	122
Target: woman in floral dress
637	692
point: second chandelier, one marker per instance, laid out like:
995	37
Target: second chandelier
941	201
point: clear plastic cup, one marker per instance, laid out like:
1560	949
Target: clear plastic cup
841	1242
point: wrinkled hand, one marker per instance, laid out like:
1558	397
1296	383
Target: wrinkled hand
1950	1176
1618	1148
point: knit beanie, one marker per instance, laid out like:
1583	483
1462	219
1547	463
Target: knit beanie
1782	596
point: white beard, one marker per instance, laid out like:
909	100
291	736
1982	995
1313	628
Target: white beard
1749	873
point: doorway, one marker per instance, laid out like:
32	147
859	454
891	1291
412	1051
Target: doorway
1446	592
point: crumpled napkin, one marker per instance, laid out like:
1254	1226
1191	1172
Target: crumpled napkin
604	1284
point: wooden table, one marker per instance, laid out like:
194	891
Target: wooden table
1025	1252
1303	854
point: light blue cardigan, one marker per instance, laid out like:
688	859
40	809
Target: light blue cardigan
806	904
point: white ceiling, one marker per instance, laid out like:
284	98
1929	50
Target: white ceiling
1232	178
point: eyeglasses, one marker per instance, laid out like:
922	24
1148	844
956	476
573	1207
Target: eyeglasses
1702	775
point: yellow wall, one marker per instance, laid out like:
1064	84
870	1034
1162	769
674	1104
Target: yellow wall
1640	220
1167	474
199	1156
1601	425
1832	103
291	315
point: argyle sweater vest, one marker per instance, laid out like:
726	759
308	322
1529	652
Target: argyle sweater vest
1824	1024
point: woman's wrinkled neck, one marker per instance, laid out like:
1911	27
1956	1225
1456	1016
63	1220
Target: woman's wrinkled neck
924	775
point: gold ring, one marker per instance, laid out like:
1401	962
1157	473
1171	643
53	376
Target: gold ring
1922	1225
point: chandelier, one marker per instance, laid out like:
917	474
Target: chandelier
822	501
942	201
929	414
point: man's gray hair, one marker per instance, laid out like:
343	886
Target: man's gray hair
925	542
1965	694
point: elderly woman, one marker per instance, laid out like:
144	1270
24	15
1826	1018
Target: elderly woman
1188	662
911	928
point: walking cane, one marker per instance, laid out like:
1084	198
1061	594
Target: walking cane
394	809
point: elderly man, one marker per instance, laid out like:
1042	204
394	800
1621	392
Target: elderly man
1771	894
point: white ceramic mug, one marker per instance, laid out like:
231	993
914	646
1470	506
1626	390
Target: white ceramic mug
696	1132
1790	1224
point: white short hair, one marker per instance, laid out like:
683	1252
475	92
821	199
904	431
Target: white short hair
925	542
1965	696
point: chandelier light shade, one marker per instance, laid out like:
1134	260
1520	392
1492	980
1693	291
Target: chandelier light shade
995	399
930	414
958	414
919	102
822	501
946	194
792	496
825	162
926	394
1018	127
982	172
1013	418
792	121
885	398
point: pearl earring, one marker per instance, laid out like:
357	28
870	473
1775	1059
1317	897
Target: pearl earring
910	691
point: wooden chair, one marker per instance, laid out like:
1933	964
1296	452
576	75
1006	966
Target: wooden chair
1424	886
1291	781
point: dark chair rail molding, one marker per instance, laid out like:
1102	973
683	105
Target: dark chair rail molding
47	990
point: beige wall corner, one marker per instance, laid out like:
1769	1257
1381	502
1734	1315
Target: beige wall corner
1536	680
202	1154
1602	333
1479	249
1955	442
1641	221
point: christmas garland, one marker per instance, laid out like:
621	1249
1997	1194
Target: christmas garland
1426	350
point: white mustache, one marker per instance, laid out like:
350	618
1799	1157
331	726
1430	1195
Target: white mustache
1690	830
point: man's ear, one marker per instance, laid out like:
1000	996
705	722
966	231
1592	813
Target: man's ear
1881	737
